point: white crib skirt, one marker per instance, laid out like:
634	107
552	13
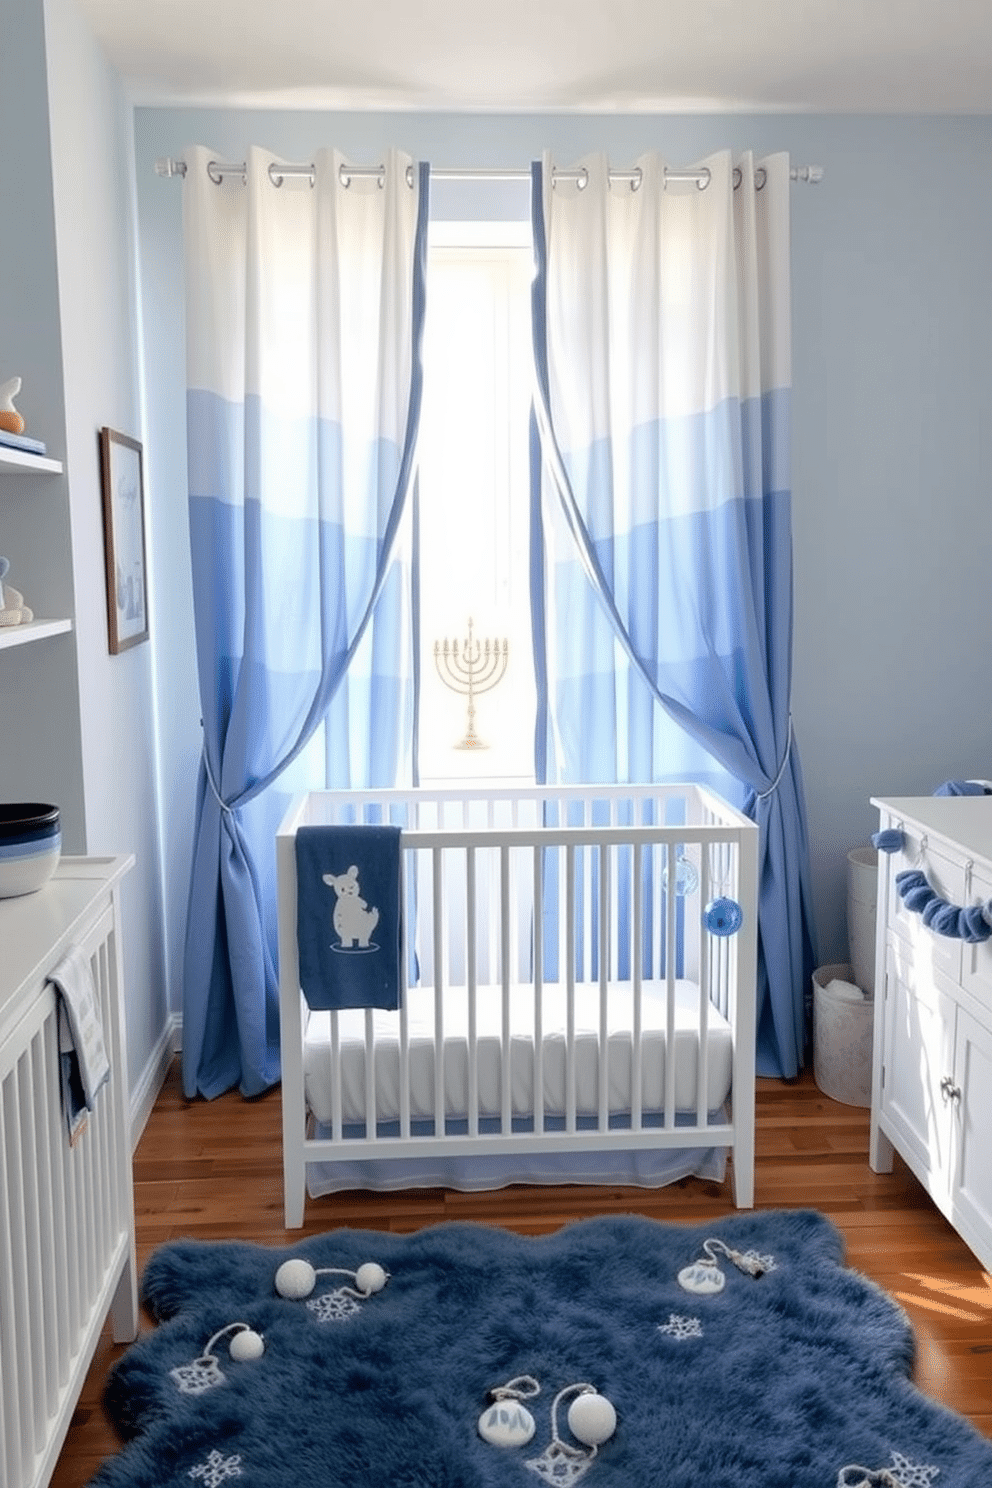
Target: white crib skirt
640	1168
318	1075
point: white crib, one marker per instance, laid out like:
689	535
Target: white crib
557	1005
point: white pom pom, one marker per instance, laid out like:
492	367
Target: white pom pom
591	1419
247	1345
295	1279
370	1277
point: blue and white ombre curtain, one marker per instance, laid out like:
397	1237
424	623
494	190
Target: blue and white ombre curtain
304	306
662	343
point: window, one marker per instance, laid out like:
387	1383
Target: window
474	507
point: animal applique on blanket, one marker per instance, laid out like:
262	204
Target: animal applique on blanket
348	916
352	919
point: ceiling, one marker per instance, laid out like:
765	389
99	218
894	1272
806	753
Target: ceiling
824	56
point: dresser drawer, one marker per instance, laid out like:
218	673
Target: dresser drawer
945	872
976	956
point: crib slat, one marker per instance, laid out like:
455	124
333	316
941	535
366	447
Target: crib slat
659	950
107	1147
76	1269
504	956
337	1127
570	991
33	1274
438	898
371	1125
637	958
605	958
538	881
705	992
585	860
44	1197
471	989
493	920
616	883
670	970
81	1159
101	1201
20	1369
566	928
409	881
10	1434
52	1139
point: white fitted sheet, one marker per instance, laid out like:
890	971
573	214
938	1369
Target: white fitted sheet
420	1016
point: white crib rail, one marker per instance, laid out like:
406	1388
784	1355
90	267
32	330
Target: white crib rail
476	923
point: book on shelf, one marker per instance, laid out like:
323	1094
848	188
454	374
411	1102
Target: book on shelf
21	442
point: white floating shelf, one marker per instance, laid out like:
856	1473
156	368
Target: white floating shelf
35	630
23	462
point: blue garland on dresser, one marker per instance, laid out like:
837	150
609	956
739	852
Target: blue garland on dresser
971	923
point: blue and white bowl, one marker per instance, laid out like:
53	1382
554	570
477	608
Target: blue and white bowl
30	846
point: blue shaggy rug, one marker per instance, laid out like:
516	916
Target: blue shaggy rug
616	1351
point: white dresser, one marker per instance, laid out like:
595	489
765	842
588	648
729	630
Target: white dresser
67	1253
932	1075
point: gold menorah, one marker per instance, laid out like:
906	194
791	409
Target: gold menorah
478	667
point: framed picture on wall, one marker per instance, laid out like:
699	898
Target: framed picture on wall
122	482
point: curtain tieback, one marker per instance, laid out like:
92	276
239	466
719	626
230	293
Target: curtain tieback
224	806
763	795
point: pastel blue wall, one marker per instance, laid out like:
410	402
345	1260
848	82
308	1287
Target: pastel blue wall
892	390
93	175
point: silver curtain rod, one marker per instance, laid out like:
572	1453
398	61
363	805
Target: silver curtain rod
810	174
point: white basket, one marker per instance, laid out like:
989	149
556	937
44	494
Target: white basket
862	894
842	1039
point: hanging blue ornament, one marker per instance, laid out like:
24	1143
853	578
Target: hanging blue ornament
723	916
686	877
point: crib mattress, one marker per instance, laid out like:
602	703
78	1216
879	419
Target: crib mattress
318	1075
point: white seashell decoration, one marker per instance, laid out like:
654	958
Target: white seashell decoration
703	1277
506	1423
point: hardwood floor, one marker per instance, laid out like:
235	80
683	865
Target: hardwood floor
213	1171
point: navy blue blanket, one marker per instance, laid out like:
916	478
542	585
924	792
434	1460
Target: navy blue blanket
348	916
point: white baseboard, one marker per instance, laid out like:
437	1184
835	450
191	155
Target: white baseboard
145	1093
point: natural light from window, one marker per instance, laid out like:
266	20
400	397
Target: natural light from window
474	498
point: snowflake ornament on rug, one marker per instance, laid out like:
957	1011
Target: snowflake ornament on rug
680	1328
333	1307
204	1372
217	1469
559	1463
199	1376
901	1473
